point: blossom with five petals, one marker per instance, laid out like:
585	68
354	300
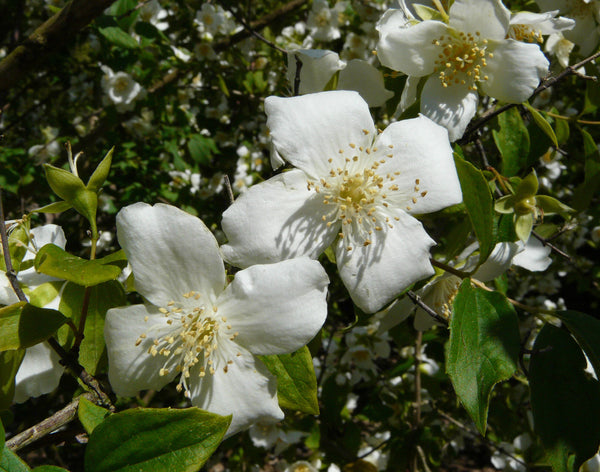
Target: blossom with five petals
468	54
353	187
198	328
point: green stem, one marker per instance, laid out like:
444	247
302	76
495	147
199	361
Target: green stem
86	297
440	8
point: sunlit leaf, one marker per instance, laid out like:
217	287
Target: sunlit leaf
90	415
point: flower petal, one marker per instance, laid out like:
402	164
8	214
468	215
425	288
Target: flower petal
131	368
310	129
367	80
452	106
318	66
498	262
409	48
488	18
275	220
171	253
397	257
247	391
39	373
276	308
422	154
534	256
514	71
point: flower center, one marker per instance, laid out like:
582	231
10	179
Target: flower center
525	33
121	84
461	59
360	193
194	341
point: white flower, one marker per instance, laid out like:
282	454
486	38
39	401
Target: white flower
531	27
323	22
40	371
198	329
319	66
301	466
121	89
209	19
461	58
586	14
561	47
353	187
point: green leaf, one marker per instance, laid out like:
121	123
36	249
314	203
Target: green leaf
2	439
587	190
542	123
101	173
118	37
296	380
49	468
10	462
479	204
154	440
10	361
426	13
528	187
523	226
586	330
512	141
483	348
505	204
90	415
550	205
56	207
63	183
92	352
23	325
54	261
201	149
564	400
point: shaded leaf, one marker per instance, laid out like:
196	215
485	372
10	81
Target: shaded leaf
586	330
479	204
10	462
542	123
152	439
296	380
483	348
118	37
10	361
23	325
512	141
564	400
90	415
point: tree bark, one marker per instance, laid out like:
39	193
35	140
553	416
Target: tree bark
50	36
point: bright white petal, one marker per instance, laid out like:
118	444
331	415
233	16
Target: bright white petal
545	23
318	66
534	256
276	308
498	262
515	71
367	80
410	49
247	391
275	220
171	253
131	368
585	34
39	373
310	129
397	257
452	107
422	153
7	294
490	18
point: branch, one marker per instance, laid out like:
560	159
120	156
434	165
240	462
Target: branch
549	82
50	36
417	301
11	275
47	426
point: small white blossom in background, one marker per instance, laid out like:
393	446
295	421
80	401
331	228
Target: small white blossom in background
151	12
120	88
560	47
271	435
319	66
352	187
301	466
196	327
586	14
510	458
42	152
459	59
40	370
324	22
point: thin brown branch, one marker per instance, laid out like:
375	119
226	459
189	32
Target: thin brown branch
545	242
47	426
417	301
11	275
49	37
448	268
546	83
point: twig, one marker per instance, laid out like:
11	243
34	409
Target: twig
227	183
447	268
47	426
549	82
545	242
417	301
297	76
10	272
482	153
